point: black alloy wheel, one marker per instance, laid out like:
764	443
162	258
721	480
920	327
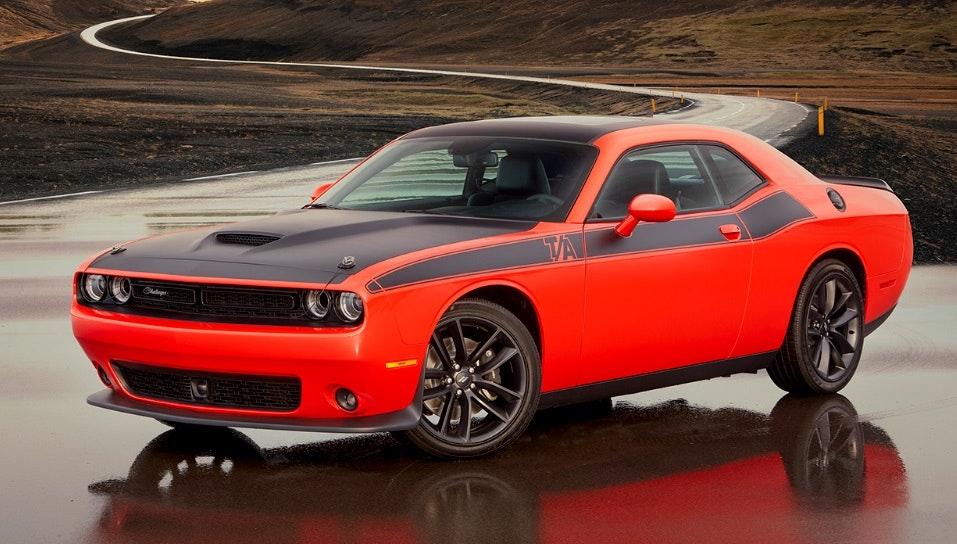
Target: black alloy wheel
825	335
482	382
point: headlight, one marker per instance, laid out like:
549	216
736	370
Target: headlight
349	307
121	289
94	287
318	304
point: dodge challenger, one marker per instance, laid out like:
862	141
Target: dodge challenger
467	275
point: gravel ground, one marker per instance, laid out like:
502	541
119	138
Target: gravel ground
915	155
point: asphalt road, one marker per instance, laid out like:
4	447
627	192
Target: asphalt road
726	460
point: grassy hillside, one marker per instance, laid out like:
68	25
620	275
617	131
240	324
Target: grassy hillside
721	35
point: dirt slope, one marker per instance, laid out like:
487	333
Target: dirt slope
726	35
23	20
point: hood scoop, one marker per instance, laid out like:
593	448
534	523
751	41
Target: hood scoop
246	238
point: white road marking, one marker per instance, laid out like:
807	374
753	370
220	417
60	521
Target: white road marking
231	175
83	193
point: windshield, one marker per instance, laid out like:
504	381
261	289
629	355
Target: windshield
479	177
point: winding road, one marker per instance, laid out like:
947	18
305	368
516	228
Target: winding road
767	119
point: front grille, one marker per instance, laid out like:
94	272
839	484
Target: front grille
245	239
154	297
212	389
226	298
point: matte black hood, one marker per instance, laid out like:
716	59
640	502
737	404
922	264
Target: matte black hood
301	246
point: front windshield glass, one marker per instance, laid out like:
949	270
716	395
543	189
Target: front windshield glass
479	177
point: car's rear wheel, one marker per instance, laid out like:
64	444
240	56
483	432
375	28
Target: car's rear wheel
482	382
825	335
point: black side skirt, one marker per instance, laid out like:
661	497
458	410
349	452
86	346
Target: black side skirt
656	380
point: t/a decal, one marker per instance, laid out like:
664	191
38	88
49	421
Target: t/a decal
560	248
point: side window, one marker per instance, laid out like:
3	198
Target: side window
733	177
673	171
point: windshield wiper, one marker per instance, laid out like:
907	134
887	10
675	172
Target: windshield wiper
430	212
320	207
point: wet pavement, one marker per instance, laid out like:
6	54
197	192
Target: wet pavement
731	459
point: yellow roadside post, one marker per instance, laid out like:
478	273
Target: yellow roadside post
654	108
820	121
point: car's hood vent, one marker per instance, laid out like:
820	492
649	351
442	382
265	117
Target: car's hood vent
245	238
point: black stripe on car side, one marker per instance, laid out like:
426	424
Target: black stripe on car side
759	220
678	233
558	248
772	214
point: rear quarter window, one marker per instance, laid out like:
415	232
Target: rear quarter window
734	179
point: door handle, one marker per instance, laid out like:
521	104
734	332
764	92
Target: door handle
731	232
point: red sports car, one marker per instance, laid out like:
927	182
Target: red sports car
466	275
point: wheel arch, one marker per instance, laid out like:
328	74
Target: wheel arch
513	300
850	259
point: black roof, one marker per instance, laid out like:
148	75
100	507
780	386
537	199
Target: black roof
578	129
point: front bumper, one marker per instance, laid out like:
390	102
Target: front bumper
371	360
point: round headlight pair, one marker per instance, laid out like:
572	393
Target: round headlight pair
95	287
348	306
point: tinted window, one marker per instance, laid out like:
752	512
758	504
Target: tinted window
427	174
733	178
673	171
481	177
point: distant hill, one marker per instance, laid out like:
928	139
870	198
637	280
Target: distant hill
727	35
24	20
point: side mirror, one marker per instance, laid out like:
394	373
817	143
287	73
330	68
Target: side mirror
650	208
320	190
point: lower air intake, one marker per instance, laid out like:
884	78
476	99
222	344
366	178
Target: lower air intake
211	389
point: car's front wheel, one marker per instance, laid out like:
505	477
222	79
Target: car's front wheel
824	338
482	382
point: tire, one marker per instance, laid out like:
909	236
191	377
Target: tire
824	337
481	360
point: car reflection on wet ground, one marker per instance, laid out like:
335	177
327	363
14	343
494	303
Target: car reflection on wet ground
717	461
809	471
